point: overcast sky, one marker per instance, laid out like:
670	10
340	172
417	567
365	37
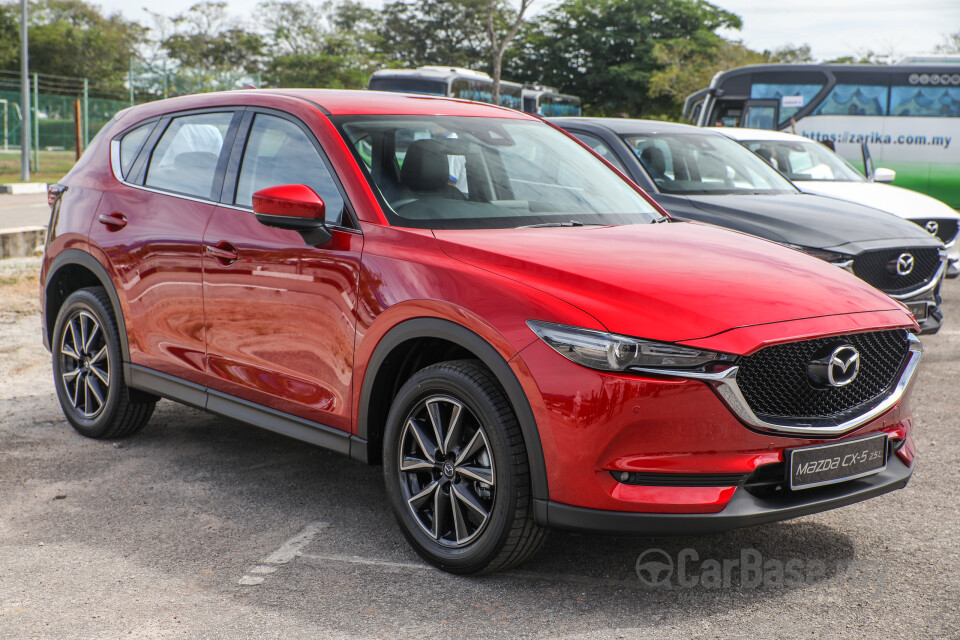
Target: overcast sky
833	28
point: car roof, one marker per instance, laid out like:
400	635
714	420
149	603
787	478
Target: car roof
628	125
738	133
334	102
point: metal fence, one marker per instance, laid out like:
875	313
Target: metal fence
53	108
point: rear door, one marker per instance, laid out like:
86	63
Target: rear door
150	226
280	314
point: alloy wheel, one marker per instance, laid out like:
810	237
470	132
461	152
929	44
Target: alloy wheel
85	364
447	473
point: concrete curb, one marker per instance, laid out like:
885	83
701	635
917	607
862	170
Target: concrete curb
23	188
21	242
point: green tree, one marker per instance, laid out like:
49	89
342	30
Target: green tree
70	38
790	54
330	45
689	64
9	37
207	39
436	32
602	50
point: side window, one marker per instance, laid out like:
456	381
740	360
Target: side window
854	100
185	159
279	152
792	97
601	148
130	146
935	102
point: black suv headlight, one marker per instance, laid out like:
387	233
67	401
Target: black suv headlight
842	260
613	352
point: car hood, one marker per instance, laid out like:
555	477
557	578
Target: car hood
670	282
807	220
886	197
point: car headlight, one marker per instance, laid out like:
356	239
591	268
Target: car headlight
612	352
842	260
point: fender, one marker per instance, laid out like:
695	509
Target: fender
84	259
457	334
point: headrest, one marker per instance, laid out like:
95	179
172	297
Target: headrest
653	160
425	167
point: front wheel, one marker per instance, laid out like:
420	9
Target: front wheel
456	470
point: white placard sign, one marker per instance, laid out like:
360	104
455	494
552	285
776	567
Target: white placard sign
791	101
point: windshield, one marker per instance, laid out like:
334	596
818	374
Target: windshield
446	172
697	163
804	161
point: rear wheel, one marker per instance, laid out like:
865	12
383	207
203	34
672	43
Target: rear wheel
456	470
88	372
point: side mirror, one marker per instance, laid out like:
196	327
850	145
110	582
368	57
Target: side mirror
884	175
296	207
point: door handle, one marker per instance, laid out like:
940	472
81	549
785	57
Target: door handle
114	221
223	252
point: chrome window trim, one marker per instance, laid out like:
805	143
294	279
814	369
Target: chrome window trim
724	382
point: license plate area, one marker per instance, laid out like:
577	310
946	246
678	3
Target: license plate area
918	310
823	464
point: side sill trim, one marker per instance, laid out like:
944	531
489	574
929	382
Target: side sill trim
228	406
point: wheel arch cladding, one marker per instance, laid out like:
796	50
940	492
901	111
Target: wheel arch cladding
418	343
74	269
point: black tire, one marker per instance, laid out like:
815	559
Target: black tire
468	543
88	370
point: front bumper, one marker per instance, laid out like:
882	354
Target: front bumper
743	510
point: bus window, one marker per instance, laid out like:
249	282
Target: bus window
409	85
792	97
854	100
925	101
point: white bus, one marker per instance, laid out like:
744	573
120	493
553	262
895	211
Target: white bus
475	85
908	114
549	103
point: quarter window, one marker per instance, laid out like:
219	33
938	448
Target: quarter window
279	152
130	146
185	159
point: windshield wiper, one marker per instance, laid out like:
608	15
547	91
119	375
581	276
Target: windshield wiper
570	223
661	219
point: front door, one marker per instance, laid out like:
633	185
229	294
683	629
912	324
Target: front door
280	314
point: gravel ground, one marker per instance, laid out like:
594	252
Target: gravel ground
199	527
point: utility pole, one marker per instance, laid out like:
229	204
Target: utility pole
24	96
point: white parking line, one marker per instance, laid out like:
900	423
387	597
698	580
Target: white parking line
522	575
282	555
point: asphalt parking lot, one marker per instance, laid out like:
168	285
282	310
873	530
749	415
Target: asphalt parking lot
199	527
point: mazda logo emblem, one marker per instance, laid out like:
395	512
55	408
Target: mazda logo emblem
904	264
932	226
835	368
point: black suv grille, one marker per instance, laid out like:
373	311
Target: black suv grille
946	229
879	268
775	383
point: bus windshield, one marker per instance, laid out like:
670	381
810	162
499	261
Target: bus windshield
447	172
804	161
694	163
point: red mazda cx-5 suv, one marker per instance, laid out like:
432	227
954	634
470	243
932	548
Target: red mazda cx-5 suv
472	298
